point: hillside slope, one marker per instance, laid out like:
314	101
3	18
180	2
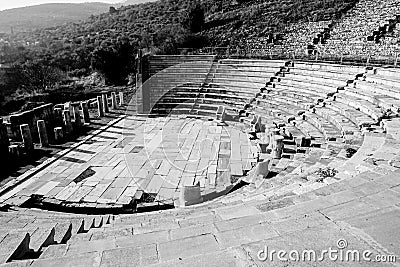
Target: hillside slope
47	15
135	2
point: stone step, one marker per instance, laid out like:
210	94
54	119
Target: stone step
63	232
14	246
84	259
54	251
42	237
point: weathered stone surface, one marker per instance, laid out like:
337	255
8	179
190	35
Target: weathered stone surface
185	232
54	251
91	259
188	247
217	259
91	246
133	256
240	222
143	239
190	195
237	212
235	237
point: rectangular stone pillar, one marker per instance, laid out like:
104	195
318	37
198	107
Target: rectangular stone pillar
44	141
100	106
77	114
15	132
4	140
190	195
68	106
85	111
142	96
13	153
26	137
67	122
58	134
121	99
58	117
113	100
105	103
277	147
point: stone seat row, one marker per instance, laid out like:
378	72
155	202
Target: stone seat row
286	114
370	109
373	95
247	70
324	124
304	105
358	117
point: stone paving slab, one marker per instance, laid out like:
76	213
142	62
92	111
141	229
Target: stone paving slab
158	156
132	256
185	248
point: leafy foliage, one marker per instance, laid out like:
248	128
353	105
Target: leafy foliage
350	152
115	62
194	18
33	76
326	173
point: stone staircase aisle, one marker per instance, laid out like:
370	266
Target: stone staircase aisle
26	234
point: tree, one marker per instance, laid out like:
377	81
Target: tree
33	76
115	60
113	10
194	18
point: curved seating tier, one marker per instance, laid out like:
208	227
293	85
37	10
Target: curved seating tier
158	63
361	24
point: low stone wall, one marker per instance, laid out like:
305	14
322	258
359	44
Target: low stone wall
50	124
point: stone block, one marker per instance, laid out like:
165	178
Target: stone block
263	168
100	106
67	122
58	134
76	115
44	140
190	195
85	111
121	99
26	137
105	102
113	100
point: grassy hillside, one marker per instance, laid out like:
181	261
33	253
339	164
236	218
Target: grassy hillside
47	15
